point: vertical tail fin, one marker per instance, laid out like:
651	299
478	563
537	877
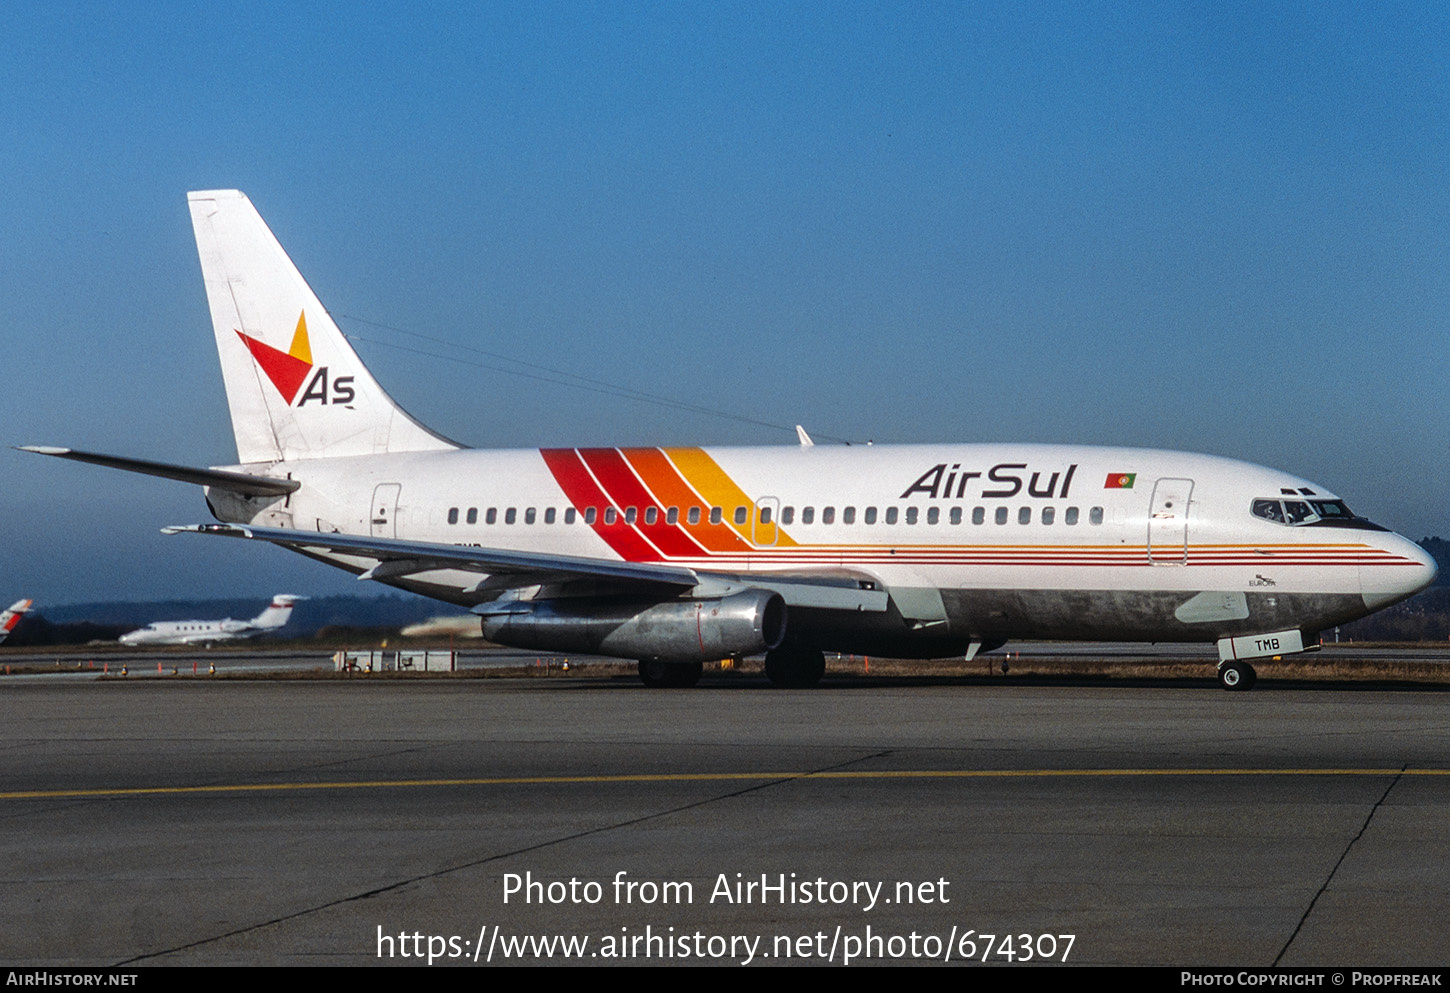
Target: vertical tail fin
295	386
11	617
278	613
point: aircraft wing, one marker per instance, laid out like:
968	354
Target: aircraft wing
506	568
398	558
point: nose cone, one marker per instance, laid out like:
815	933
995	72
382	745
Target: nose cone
1400	569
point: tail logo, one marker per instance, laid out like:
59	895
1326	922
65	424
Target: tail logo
290	369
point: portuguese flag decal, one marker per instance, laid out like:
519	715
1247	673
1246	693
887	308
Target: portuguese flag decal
1120	481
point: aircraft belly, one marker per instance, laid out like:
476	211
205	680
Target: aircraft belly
1083	615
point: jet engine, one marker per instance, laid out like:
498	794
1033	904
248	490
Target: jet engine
744	623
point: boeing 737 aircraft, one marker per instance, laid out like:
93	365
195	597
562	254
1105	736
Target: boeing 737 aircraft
208	632
676	556
11	617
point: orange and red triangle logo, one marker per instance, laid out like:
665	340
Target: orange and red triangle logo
287	370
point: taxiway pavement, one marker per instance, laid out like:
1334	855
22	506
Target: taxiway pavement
239	822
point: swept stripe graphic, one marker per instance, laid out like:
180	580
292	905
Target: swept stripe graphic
717	538
583	492
625	490
718	489
671	490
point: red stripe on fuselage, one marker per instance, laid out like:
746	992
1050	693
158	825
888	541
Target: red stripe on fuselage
620	482
583	492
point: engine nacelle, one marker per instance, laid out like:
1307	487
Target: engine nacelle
744	623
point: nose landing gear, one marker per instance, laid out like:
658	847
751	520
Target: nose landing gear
1236	675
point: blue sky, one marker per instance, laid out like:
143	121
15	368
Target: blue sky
1221	228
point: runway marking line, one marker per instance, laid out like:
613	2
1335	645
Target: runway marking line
700	777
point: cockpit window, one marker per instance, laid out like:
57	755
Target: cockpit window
1310	513
1298	512
1269	510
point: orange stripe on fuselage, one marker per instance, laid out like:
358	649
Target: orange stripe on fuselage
629	490
719	490
664	480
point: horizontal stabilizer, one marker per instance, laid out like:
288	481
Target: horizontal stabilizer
237	482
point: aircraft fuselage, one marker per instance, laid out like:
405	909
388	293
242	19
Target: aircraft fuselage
973	542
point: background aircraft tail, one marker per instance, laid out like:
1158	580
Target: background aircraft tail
295	386
11	617
277	613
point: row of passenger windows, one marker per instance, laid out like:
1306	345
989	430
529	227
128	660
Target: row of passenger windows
913	515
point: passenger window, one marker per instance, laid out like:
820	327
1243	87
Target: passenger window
890	515
530	516
591	515
808	515
848	516
933	515
1001	516
492	516
1048	515
549	515
672	516
610	515
694	516
911	514
956	515
1071	516
511	515
569	515
979	515
828	515
715	515
870	515
1024	515
452	515
472	515
631	515
740	514
651	515
787	515
764	515
1095	516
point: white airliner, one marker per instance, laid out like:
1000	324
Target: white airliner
278	612
676	556
11	617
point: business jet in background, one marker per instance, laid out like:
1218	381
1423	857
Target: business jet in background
677	556
209	632
11	617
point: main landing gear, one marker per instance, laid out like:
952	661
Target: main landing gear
1236	675
795	667
678	675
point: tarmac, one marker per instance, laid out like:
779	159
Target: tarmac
240	822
